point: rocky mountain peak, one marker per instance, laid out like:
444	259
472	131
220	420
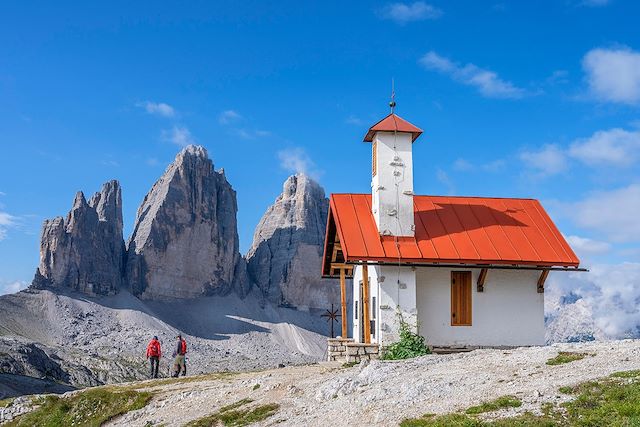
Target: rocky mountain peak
85	251
185	241
108	203
301	185
285	258
193	150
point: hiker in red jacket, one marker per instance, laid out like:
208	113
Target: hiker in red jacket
180	364
154	353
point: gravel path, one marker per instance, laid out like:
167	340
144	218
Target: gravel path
384	393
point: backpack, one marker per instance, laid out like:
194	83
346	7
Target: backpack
183	347
154	348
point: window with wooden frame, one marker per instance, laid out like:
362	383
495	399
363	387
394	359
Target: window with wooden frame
374	158
460	298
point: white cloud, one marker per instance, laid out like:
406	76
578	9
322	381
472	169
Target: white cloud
585	247
615	147
595	3
6	221
353	120
250	134
613	213
444	179
487	82
558	77
13	287
464	165
178	135
402	13
549	160
2	193
608	293
157	108
229	116
613	75
297	160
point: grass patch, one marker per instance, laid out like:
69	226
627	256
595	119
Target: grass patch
233	416
185	380
349	364
255	387
612	401
565	357
235	405
450	420
494	405
626	374
90	408
5	402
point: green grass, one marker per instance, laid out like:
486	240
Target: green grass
235	405
90	408
612	401
626	374
233	416
184	380
494	405
565	357
255	387
5	402
349	364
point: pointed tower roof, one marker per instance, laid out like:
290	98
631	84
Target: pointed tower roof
393	123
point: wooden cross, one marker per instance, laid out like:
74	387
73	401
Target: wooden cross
332	316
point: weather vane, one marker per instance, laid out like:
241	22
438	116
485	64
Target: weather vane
392	104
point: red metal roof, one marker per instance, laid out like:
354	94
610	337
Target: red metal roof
456	230
393	123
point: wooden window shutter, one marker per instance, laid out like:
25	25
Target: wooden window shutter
461	298
374	158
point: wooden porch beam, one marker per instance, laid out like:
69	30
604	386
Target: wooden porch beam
481	279
541	280
365	304
343	303
338	265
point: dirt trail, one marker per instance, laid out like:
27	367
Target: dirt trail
384	393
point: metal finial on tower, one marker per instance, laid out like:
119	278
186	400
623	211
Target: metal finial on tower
392	104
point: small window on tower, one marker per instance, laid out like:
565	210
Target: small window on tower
374	159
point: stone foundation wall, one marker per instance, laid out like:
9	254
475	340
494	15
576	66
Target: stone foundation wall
346	350
337	348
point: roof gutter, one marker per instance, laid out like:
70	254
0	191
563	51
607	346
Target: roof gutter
492	266
461	266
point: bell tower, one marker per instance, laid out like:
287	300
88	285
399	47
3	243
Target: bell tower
392	141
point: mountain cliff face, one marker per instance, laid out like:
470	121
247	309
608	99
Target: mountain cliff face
185	239
85	251
286	255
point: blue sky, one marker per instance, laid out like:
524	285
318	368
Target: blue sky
534	100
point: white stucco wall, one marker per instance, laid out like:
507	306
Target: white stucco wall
392	186
397	295
510	311
390	298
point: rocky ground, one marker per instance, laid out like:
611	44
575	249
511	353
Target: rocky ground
80	341
385	393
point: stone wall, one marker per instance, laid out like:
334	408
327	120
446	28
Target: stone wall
348	351
337	348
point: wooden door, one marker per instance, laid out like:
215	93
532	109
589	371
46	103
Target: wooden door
460	298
